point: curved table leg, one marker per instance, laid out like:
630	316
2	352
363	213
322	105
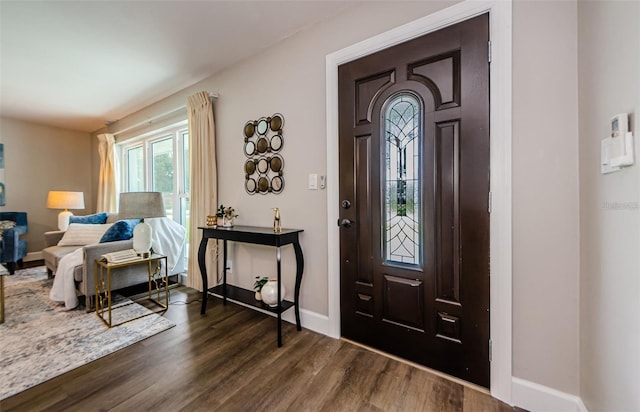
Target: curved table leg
299	270
202	250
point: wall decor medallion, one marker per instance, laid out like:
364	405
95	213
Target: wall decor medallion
263	141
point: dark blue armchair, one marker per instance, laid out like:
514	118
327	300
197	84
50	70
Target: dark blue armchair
12	248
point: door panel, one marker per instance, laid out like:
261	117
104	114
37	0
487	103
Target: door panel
414	167
447	221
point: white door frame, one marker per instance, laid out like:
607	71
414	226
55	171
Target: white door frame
500	163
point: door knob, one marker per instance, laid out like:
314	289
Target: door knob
346	204
345	223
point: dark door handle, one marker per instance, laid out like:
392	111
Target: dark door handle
344	223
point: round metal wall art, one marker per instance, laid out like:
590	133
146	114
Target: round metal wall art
263	166
249	167
263	142
276	122
277	184
276	143
249	129
276	163
250	186
249	148
262	145
263	185
262	126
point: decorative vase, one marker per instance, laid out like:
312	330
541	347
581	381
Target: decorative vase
270	292
227	221
258	295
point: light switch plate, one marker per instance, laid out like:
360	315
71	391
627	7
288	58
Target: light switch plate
313	181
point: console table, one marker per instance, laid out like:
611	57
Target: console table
260	236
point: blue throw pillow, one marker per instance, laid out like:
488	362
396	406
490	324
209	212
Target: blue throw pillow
120	230
95	219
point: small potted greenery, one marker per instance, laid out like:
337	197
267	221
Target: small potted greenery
226	214
259	283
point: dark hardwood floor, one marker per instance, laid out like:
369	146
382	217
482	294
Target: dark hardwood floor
227	360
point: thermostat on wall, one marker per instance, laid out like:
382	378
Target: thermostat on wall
619	125
617	149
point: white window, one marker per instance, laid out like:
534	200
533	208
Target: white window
158	161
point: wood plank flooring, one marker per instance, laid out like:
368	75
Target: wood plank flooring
227	360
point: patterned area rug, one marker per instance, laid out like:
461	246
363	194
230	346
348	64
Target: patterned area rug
40	340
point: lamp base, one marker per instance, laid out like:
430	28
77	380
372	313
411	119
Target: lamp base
63	219
142	239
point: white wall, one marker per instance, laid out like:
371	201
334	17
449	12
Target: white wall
38	159
609	50
545	194
290	78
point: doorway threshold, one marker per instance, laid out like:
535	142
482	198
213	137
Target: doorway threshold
422	367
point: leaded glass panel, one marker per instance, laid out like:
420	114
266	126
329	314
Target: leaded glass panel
402	214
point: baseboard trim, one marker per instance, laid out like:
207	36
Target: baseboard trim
33	256
535	397
309	320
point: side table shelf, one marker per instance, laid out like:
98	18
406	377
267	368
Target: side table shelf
247	297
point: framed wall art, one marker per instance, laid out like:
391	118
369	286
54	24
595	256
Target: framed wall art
263	143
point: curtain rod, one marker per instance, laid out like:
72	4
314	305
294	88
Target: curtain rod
156	117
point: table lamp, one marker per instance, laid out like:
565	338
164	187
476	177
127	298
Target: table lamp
141	205
65	200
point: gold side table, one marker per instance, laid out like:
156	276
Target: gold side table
157	281
3	272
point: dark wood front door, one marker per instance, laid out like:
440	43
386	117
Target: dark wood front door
414	192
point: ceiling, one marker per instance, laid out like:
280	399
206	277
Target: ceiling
79	64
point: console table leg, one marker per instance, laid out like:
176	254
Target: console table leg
299	269
202	250
224	272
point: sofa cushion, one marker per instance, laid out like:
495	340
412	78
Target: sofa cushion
53	254
80	234
95	219
112	217
120	230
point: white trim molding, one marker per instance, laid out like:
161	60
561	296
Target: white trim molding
500	12
535	397
309	320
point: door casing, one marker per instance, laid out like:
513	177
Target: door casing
500	163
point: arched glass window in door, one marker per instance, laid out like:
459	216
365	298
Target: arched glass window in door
401	204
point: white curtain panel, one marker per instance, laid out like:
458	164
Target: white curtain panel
107	185
204	184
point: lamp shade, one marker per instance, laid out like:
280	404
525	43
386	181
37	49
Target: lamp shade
65	200
139	205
